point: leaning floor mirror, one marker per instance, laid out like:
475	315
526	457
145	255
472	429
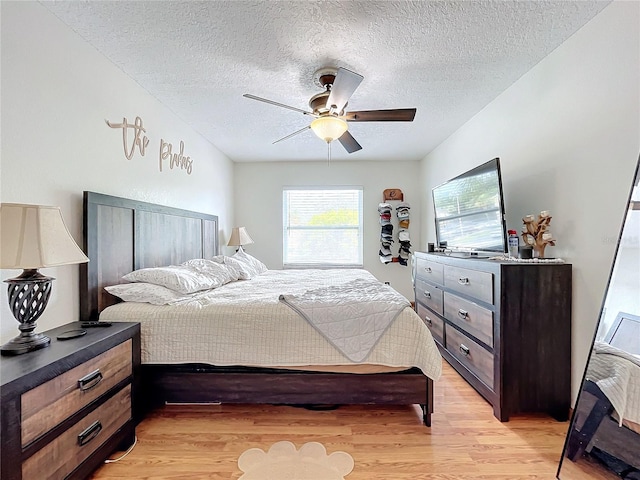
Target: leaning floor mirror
603	441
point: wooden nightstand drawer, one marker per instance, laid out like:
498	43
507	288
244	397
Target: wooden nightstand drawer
43	390
429	295
472	318
60	457
50	403
433	322
428	270
471	355
470	282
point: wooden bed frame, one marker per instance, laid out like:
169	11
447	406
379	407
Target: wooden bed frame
122	235
594	425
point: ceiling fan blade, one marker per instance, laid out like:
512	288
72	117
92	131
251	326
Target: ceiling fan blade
343	87
349	143
293	134
395	115
260	99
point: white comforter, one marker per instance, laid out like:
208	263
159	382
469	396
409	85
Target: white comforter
244	323
617	374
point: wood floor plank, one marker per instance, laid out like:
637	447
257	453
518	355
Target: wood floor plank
465	441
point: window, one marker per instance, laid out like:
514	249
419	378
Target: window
322	227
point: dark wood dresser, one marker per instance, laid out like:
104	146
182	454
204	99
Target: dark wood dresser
504	326
66	408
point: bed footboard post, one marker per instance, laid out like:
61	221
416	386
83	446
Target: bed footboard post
426	415
427	407
602	407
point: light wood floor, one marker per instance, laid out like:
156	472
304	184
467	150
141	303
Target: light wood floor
465	441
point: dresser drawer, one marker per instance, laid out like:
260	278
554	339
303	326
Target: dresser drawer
428	270
470	282
470	317
50	403
433	322
429	295
473	356
67	451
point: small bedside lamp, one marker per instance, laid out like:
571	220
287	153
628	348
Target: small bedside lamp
239	237
32	237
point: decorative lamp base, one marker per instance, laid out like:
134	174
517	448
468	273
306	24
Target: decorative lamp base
28	297
25	344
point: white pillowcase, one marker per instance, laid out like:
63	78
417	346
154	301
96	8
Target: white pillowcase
244	272
217	270
250	266
145	293
180	278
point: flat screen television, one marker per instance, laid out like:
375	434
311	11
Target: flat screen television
469	212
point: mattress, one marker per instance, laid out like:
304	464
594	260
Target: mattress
627	423
244	323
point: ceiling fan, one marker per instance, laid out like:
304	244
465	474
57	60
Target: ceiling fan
327	108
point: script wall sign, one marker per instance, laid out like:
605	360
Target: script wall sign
134	138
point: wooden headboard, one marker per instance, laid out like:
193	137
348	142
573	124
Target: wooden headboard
121	235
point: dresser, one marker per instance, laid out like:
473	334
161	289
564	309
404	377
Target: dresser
504	326
66	408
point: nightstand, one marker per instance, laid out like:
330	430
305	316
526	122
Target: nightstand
64	409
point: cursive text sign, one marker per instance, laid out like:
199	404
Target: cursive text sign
134	137
177	160
136	129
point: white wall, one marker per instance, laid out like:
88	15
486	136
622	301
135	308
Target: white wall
568	135
57	92
258	205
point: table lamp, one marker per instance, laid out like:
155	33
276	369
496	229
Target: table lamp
239	237
32	237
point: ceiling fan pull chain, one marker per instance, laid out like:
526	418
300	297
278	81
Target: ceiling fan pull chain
328	154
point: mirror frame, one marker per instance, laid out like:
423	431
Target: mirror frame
635	181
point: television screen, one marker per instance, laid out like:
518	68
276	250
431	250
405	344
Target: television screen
469	211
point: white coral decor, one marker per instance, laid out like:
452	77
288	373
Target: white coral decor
284	462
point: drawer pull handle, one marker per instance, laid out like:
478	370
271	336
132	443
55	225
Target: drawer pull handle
90	380
463	281
464	350
463	314
89	433
428	269
428	321
427	294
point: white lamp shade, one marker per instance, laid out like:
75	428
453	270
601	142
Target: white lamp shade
329	128
35	236
239	237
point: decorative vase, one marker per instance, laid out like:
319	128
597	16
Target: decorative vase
538	251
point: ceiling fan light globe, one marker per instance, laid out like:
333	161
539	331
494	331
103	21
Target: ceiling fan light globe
329	128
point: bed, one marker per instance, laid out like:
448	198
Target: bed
123	235
608	413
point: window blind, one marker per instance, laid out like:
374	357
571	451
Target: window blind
322	227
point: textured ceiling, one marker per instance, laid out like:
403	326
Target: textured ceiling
447	59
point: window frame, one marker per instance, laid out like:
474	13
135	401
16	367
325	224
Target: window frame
359	263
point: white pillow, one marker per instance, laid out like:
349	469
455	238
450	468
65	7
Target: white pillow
250	265
180	278
214	269
145	293
244	272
